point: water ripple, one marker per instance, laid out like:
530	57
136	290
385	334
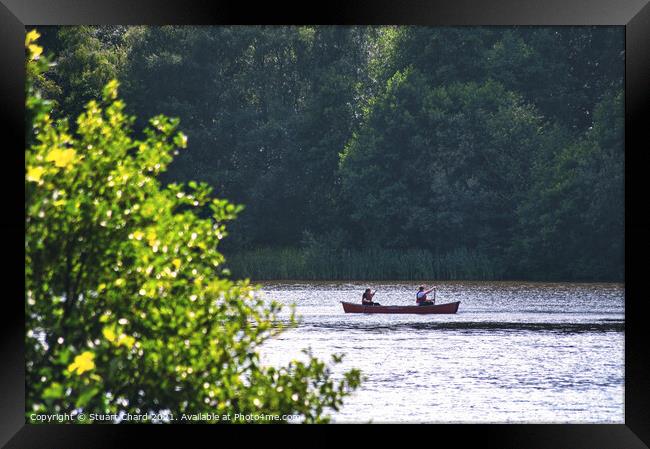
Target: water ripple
514	353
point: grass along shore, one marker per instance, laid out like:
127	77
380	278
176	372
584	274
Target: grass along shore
265	264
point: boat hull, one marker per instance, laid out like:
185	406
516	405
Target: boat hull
451	307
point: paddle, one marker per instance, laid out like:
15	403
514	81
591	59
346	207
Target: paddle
372	296
373	299
434	293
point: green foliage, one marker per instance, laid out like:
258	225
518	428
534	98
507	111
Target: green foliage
439	168
563	71
266	110
451	138
128	306
87	58
326	263
574	209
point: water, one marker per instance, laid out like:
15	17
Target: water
514	352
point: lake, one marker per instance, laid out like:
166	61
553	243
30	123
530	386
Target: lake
515	352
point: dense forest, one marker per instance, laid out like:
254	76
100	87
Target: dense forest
383	152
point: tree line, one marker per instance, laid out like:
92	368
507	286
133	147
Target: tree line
492	147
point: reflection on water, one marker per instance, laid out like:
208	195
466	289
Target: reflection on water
514	352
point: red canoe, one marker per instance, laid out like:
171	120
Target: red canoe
451	307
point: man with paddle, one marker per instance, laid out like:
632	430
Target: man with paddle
366	298
421	296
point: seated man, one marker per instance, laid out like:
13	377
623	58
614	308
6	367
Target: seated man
366	298
421	296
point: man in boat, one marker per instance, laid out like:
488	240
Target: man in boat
366	298
421	296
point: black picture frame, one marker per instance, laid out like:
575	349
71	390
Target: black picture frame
634	15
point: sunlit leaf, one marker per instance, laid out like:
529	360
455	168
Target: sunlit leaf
82	363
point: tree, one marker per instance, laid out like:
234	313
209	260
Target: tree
128	307
268	110
584	64
440	167
87	58
574	209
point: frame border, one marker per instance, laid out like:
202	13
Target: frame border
633	14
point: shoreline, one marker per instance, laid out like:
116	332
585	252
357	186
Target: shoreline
430	281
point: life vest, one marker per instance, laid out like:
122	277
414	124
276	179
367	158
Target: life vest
419	299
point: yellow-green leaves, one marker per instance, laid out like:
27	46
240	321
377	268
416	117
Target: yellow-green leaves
180	140
137	235
115	336
82	363
145	295
151	235
110	90
54	391
31	37
35	174
61	158
34	50
109	334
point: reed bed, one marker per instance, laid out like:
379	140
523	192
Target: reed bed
367	264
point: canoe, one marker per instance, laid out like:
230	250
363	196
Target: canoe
450	307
